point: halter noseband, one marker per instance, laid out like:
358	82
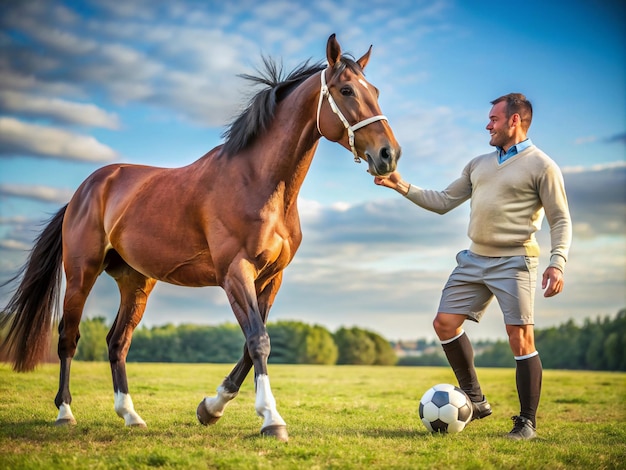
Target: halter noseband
324	92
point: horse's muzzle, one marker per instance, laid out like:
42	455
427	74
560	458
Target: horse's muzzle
384	161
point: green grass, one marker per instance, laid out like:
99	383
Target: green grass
339	417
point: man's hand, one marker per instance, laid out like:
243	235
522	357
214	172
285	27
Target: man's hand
393	181
386	181
552	282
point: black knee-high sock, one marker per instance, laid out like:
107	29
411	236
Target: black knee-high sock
528	376
460	355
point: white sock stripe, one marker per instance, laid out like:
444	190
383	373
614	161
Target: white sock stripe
527	356
446	341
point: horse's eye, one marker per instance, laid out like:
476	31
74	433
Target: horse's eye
347	91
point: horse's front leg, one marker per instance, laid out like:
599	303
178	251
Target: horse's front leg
265	403
273	424
258	342
256	353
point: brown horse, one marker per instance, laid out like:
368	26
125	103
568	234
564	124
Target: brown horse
230	219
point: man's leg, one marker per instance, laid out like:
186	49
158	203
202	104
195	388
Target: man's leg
528	377
464	296
460	355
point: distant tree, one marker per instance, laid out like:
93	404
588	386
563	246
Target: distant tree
615	343
216	344
385	355
595	336
225	344
497	354
298	343
355	346
320	346
187	343
561	347
288	342
157	344
598	344
429	360
92	345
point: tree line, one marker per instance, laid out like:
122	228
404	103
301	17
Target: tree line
292	343
598	344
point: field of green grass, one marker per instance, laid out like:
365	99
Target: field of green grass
340	417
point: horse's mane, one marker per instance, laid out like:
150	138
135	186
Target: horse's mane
260	110
259	113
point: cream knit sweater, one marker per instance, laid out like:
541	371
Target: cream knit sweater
508	203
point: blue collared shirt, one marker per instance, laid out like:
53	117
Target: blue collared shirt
513	150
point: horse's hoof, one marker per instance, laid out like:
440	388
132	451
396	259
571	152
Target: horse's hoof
138	425
204	416
278	431
65	422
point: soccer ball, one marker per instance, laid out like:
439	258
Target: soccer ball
445	408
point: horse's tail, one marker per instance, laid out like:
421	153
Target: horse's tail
34	307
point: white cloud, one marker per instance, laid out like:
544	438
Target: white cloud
13	245
594	168
37	193
31	19
57	109
16	80
586	140
18	137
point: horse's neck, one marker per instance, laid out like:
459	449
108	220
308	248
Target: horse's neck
292	138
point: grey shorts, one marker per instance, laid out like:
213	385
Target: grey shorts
477	279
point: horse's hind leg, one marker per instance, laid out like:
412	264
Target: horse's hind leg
134	291
80	280
211	409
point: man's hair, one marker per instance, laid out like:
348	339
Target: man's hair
516	103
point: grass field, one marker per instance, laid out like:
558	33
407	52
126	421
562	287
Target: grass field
340	417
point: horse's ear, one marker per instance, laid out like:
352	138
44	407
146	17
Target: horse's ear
333	51
365	59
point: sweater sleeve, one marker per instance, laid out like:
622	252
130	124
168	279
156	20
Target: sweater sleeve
554	201
441	202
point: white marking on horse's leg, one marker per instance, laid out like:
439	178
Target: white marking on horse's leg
265	404
65	415
125	409
214	406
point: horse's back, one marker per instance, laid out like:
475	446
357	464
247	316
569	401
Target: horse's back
103	195
144	214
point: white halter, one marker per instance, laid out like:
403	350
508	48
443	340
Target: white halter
324	92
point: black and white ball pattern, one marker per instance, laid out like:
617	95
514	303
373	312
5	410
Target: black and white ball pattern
445	408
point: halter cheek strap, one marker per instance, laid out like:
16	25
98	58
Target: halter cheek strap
324	92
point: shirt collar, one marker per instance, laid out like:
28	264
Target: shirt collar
513	150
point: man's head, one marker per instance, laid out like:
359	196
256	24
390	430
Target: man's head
509	120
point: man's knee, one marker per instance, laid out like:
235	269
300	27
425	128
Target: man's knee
521	339
447	325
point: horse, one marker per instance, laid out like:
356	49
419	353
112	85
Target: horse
229	219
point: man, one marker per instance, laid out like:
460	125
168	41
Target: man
510	189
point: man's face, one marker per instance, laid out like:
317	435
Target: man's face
500	128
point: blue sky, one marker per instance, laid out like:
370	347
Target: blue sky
86	83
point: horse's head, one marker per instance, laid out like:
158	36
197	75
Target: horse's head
348	112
